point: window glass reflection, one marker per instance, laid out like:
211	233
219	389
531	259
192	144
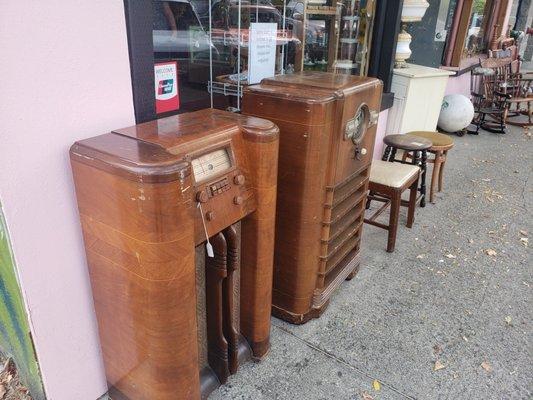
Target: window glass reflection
474	42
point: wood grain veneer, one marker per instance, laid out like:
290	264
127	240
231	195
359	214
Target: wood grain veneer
322	180
162	336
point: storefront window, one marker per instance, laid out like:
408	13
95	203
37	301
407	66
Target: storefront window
475	42
188	55
209	41
208	45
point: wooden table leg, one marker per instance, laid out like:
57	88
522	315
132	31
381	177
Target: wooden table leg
396	199
412	204
423	167
435	175
441	171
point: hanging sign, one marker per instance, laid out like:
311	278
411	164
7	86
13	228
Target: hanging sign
262	51
166	87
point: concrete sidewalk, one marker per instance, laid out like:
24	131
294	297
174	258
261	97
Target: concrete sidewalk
441	296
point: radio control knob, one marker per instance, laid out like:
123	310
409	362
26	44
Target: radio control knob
237	200
201	197
239	179
210	215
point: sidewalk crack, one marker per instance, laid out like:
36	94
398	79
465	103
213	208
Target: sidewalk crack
343	362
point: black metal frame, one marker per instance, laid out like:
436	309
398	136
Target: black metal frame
139	17
383	50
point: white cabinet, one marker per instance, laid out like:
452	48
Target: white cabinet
418	93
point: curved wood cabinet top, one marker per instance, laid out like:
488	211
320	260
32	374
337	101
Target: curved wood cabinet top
138	192
327	128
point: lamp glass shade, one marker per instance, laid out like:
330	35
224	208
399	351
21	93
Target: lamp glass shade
414	10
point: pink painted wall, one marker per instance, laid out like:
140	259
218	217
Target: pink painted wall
459	85
380	134
64	76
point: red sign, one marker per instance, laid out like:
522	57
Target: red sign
166	87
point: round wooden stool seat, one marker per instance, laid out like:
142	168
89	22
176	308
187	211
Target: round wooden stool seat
441	144
440	141
405	142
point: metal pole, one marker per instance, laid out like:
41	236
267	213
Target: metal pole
210	58
239	58
282	71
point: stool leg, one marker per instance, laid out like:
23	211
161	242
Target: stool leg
386	154
423	167
415	160
441	171
396	199
435	175
392	156
367	204
412	204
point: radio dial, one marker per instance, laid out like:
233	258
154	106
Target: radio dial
239	180
237	200
201	197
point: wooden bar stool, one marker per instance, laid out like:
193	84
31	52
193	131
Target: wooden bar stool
441	144
418	146
387	183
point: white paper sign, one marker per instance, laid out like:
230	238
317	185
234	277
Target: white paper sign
262	51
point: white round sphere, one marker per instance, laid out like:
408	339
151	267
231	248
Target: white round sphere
456	113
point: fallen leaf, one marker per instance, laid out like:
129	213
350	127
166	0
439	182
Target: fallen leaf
420	256
438	366
485	180
366	396
524	241
376	385
508	320
450	256
523	233
491	252
486	366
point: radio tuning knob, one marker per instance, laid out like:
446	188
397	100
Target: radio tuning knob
238	179
201	197
237	200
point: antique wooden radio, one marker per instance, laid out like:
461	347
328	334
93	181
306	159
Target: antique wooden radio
327	126
175	321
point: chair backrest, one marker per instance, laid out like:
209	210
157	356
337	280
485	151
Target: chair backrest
501	66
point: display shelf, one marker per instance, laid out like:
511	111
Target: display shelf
233	37
337	33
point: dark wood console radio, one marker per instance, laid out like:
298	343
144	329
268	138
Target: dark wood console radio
327	128
177	314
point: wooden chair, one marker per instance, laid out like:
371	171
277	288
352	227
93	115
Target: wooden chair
518	90
410	144
493	103
387	183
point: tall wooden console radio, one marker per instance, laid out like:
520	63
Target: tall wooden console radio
177	314
327	128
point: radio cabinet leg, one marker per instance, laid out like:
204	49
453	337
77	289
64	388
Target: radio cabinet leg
216	272
230	325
